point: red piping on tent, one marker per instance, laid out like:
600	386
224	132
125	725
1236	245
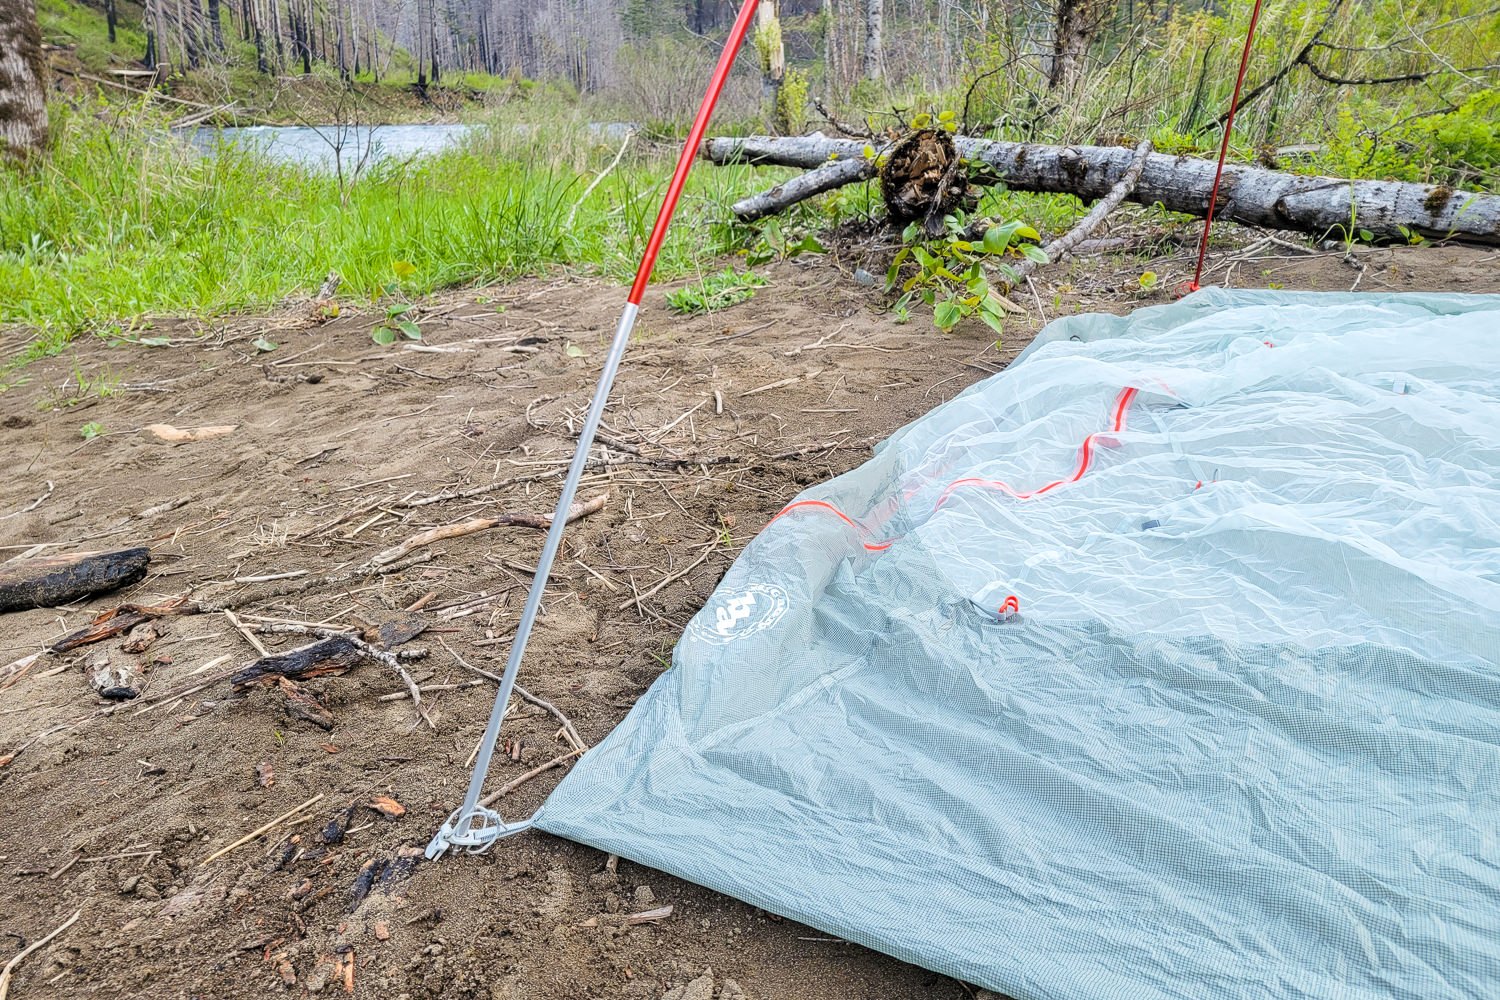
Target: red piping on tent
1085	459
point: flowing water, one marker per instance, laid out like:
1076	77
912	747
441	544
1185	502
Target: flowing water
329	147
356	147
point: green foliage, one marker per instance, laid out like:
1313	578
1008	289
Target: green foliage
1170	78
791	102
86	31
716	291
1460	147
398	323
778	242
91	430
124	222
950	275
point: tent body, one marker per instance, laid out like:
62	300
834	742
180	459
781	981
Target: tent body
1163	664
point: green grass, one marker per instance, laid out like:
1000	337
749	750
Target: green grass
85	30
122	222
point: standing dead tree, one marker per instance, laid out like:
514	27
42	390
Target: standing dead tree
1077	23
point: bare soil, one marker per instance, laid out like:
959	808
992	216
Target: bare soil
117	815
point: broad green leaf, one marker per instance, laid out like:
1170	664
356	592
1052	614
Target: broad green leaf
263	343
946	314
383	335
996	239
404	269
574	351
399	309
1033	252
1025	232
993	322
410	329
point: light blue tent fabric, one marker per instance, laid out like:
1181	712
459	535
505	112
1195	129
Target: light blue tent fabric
1241	742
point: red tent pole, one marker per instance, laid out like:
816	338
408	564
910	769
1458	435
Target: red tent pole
473	826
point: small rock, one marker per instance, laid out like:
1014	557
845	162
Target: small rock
288	974
317	980
146	890
130	884
382	931
701	988
644	897
732	990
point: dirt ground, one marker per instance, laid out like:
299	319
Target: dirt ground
117	814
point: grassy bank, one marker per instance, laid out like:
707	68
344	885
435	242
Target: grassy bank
122	221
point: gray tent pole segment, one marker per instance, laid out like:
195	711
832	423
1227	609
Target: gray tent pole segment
473	826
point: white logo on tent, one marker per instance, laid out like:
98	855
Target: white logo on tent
752	610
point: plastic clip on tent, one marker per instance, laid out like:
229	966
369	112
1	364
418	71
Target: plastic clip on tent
472	826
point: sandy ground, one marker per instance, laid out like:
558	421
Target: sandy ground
116	815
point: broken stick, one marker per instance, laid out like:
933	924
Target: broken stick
539	521
259	831
1062	247
10	967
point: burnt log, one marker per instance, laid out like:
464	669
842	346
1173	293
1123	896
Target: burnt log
49	581
333	655
1322	206
118	621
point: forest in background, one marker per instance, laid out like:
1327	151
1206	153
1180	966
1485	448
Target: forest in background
1355	87
116	226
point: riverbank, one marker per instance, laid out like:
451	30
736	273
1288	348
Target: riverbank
124	224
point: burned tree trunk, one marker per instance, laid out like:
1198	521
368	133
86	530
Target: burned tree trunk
1077	21
1253	196
23	94
48	581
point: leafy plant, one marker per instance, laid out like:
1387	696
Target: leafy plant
777	242
716	291
91	430
791	102
396	325
950	272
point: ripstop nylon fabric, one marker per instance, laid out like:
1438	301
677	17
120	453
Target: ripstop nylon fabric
1242	741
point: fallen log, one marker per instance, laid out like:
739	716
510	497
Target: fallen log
1254	196
1064	246
48	581
830	175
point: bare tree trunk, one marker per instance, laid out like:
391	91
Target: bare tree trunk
1077	21
110	19
770	48
216	26
23	88
874	47
831	73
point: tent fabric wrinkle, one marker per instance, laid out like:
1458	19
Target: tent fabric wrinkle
1163	664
